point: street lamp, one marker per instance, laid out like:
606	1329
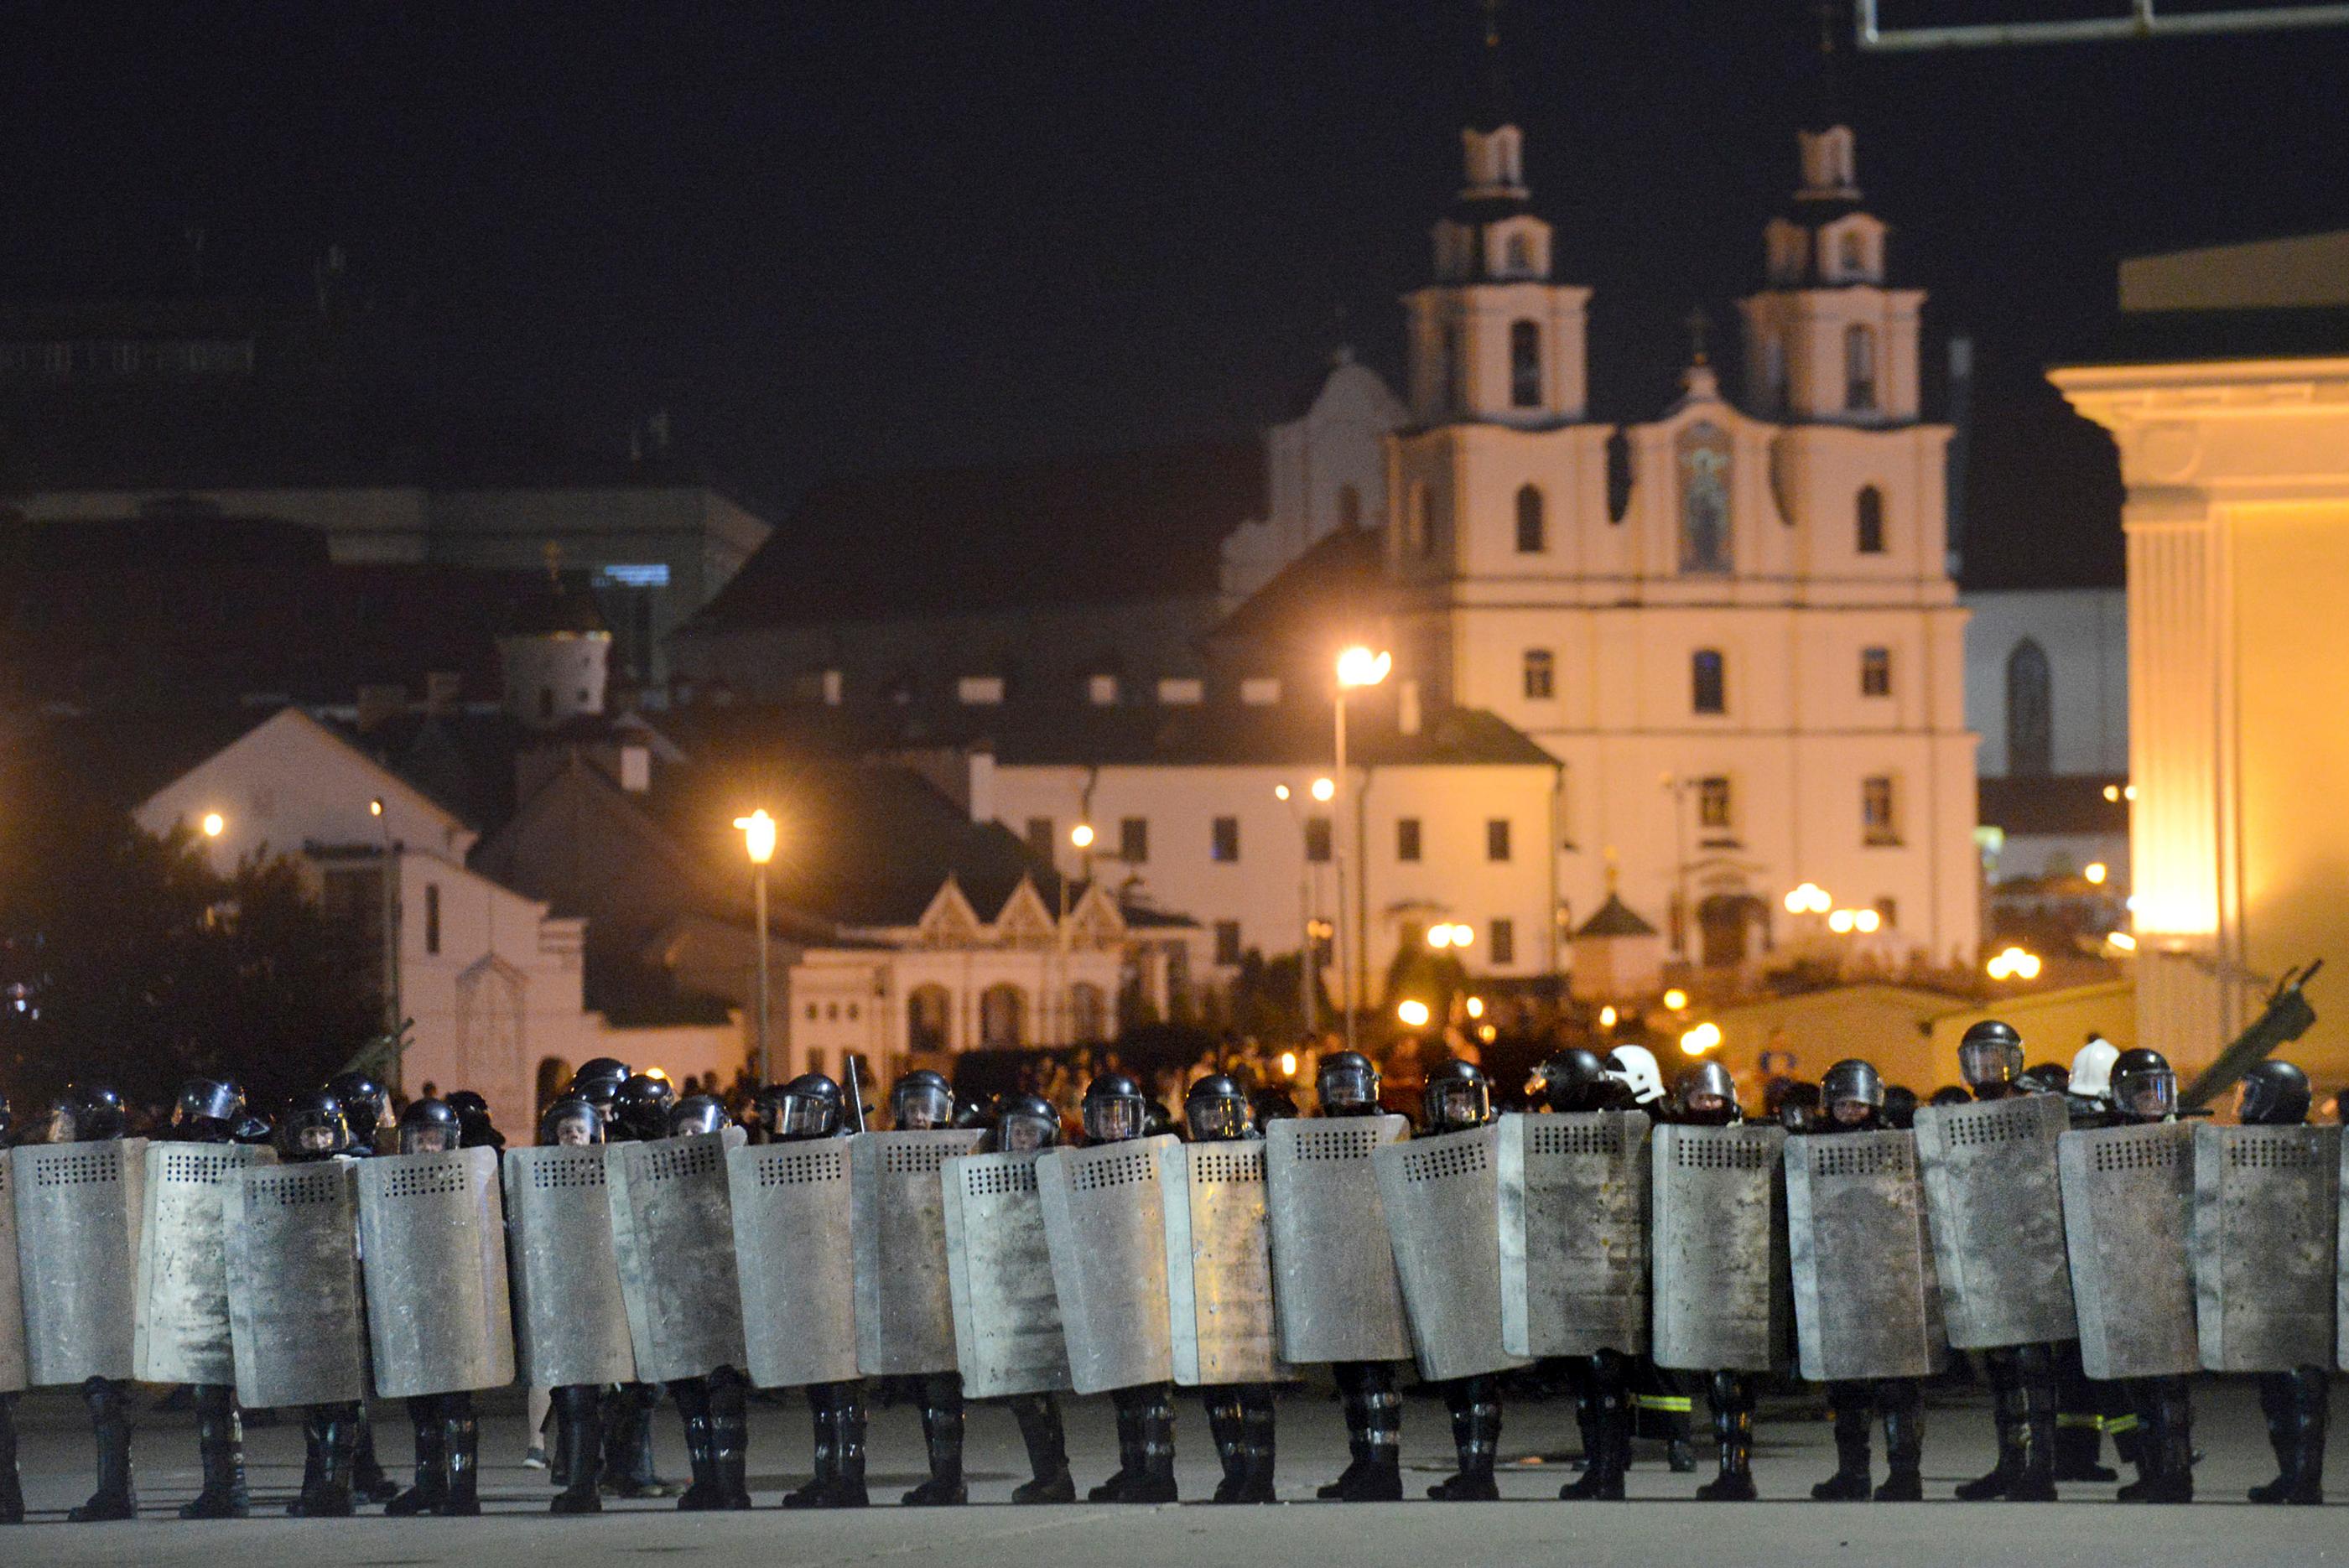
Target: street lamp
1357	666
759	838
1308	971
1082	838
214	824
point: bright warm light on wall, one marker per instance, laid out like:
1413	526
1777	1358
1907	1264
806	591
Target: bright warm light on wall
2129	792
1842	920
757	835
1607	1017
1414	1014
2112	793
1488	1034
1701	1039
2013	964
1808	899
2096	873
1475	1006
1675	999
1325	789
1289	1064
375	807
1865	921
1451	934
1358	666
2121	940
1082	835
1281	791
214	824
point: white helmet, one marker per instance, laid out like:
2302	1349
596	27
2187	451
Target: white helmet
1634	1066
2092	1069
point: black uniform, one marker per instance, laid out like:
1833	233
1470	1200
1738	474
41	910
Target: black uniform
1576	1081
2145	1090
923	1101
1239	1415
1707	1097
93	1114
1024	1122
635	1108
311	1129
805	1110
1347	1085
209	1110
1115	1111
577	1408
1456	1099
446	1428
367	1112
2275	1094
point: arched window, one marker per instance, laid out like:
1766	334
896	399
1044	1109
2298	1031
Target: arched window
1854	258
1619	476
927	1010
1533	525
1349	507
1870	511
1709	681
1541	675
1087	1012
1525	365
1704	499
1860	368
1002	1017
1519	254
2030	712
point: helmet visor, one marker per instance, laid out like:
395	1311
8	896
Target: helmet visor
1987	1061
1114	1119
581	1127
1349	1086
1220	1116
1458	1102
426	1141
1024	1134
921	1107
2148	1096
804	1116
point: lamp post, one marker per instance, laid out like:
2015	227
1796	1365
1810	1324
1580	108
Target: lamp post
1307	941
759	838
1080	838
1357	666
391	940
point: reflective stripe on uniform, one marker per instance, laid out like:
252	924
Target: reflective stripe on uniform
2094	1423
1672	1403
2116	1425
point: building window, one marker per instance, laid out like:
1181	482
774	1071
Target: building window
1876	671
1618	477
2030	712
1133	841
431	917
1887	910
1519	259
1859	369
1261	691
1497	839
1407	838
1533	526
1704	456
1502	939
1774	372
1102	690
980	691
1317	840
1227	943
1879	816
1541	675
1225	838
1349	507
1525	365
1709	681
1714	805
1182	691
1040	837
1871	520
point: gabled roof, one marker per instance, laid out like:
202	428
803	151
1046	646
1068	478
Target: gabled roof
1615	918
1334	588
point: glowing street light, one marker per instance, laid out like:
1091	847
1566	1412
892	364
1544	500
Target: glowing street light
759	840
1325	789
1607	1017
1289	1064
1082	835
1865	921
2121	941
1842	920
1476	1006
1358	666
1808	899
2013	964
2096	873
214	824
1675	999
757	835
1702	1038
1281	791
1413	1012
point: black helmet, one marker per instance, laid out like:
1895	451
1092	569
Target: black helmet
921	1101
253	1128
430	1127
1275	1103
2145	1087
87	1113
1950	1094
473	1116
573	1119
1115	1110
974	1115
366	1104
641	1106
1024	1122
2275	1094
807	1107
1990	1057
1900	1107
699	1113
1157	1122
1217	1108
313	1127
1570	1081
2044	1078
601	1070
207	1108
1707	1081
1456	1096
1348	1083
1852	1080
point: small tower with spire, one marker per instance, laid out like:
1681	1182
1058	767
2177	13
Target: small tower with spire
555	654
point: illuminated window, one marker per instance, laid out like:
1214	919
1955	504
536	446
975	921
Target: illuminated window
1704	499
1876	671
1541	671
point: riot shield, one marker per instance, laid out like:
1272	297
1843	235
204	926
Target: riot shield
1442	1201
1105	1221
180	1333
1995	1208
1574	1233
78	1212
1721	1287
14	1367
1219	1264
1333	1269
1008	1337
296	1312
2266	1201
1866	1303
673	1232
794	1248
2128	1211
432	1229
904	1305
571	1321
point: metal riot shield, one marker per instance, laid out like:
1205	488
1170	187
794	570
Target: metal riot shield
571	1319
1333	1270
1866	1303
2266	1200
794	1247
1006	1316
1442	1201
180	1332
296	1312
1721	1287
1574	1233
432	1229
1995	1208
2128	1213
673	1232
14	1368
1219	1264
1105	1221
77	1213
904	1305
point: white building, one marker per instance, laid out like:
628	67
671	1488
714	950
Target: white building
1326	470
2047	690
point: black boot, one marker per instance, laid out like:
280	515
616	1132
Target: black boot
1902	1400
2008	1409
1476	1406
839	1477
1257	1427
1380	1479
942	1435
460	1443
1225	1428
1602	1409
2296	1403
2079	1419
1039	1416
330	1432
369	1481
629	1443
2037	1481
1853	1414
692	1398
2165	1444
1127	1403
579	1449
1357	1450
1157	1481
109	1420
431	1488
730	1437
12	1485
219	1446
1733	1435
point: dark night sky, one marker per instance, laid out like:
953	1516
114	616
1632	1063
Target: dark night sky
831	236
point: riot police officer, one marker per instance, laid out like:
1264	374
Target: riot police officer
366	1112
2275	1094
635	1108
1347	1084
93	1113
574	1121
447	1429
208	1111
1025	1123
311	1129
12	1485
1217	1109
2144	1091
641	1106
1115	1111
1659	1399
598	1083
923	1101
1707	1097
476	1130
715	1407
807	1108
1853	1092
2086	1409
1457	1098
